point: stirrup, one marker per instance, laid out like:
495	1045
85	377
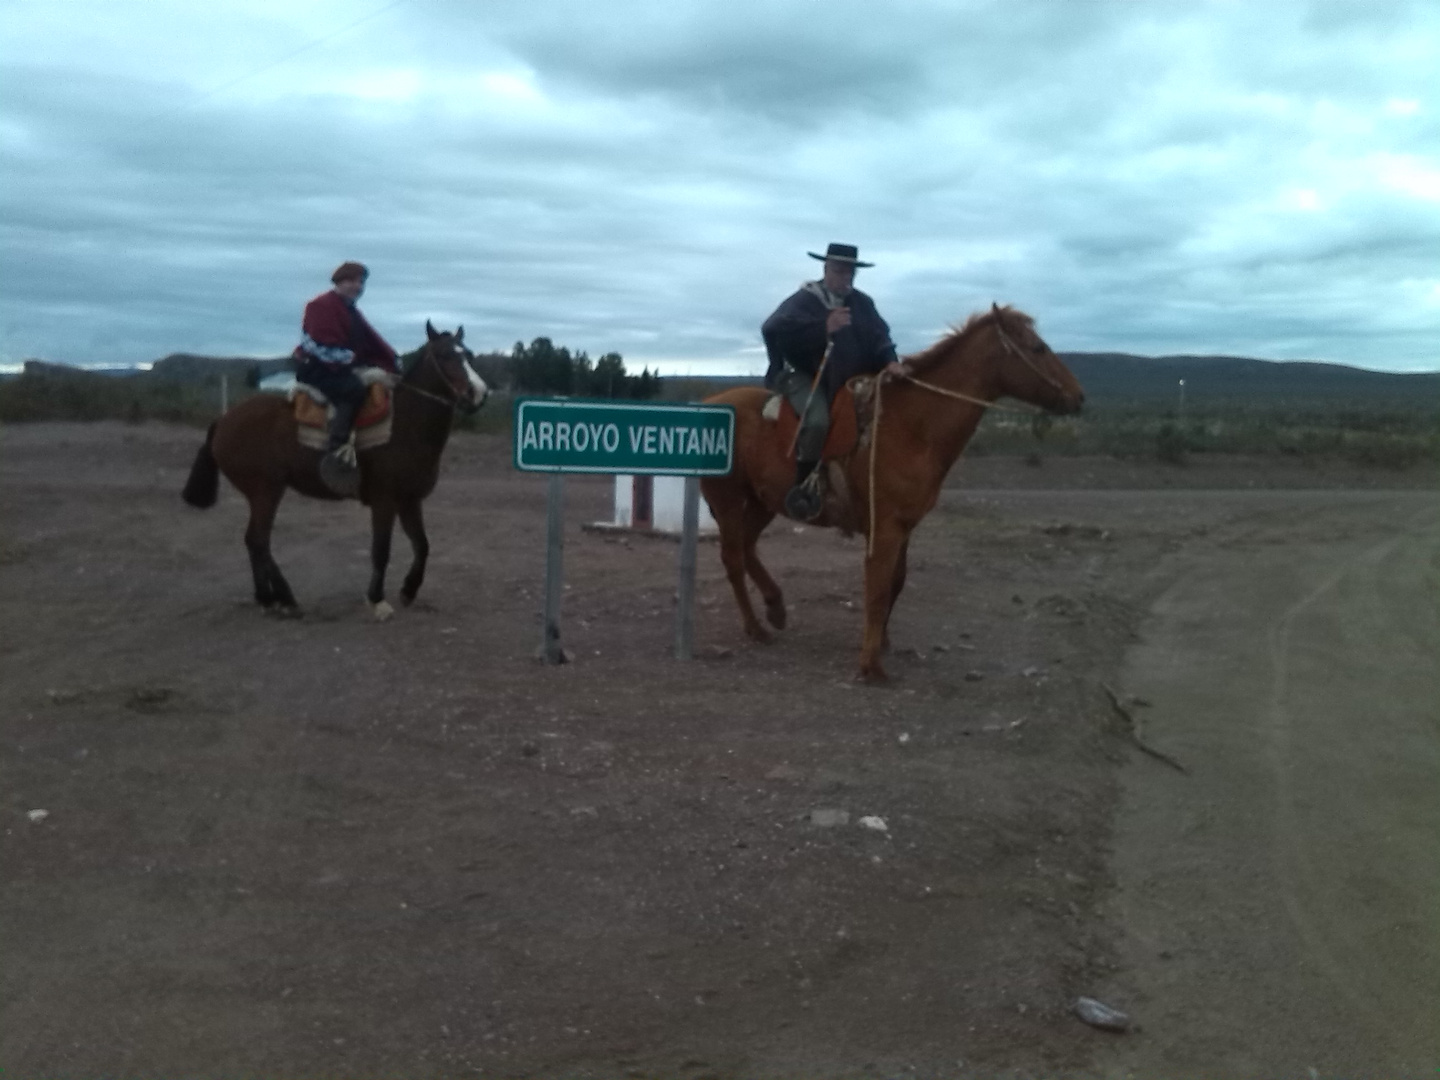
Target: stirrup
340	470
803	502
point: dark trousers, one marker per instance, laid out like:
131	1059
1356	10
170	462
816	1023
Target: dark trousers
814	420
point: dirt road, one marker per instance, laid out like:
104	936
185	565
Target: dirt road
335	847
1280	905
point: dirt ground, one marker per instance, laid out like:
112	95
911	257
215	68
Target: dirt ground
336	847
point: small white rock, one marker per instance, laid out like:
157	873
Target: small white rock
1099	1015
876	823
37	816
904	737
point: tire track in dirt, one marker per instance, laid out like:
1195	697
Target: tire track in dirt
1278	906
1350	600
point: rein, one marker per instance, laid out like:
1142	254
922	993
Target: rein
1010	347
959	397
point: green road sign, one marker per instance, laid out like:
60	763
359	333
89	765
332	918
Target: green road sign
568	435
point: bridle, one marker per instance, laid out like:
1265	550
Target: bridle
456	396
1015	350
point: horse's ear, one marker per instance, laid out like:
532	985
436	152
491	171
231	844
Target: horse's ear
994	308
459	335
430	331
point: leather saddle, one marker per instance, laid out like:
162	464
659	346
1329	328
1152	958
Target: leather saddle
312	408
846	421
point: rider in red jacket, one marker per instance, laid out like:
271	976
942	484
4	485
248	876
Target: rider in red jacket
335	340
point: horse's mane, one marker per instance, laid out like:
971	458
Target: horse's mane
1006	316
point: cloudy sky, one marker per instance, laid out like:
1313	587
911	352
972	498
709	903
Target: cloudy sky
1257	177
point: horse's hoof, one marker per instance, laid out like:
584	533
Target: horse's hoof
760	634
283	611
382	611
406	598
775	614
872	675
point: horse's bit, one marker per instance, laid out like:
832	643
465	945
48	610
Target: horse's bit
455	395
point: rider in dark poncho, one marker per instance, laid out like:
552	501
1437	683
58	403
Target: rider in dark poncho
829	313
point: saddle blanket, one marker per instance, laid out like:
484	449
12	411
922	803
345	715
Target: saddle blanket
313	412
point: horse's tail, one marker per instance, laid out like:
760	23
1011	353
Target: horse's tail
204	483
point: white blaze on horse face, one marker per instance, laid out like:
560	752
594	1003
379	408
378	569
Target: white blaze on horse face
478	390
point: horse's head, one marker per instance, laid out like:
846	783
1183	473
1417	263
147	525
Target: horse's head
1029	369
446	357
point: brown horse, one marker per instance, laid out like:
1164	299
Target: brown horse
924	424
255	445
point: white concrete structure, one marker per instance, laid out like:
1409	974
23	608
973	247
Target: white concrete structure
655	502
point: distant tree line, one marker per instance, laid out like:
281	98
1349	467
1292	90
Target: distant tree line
542	367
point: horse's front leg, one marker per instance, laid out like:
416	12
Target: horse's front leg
897	586
888	548
413	522
382	524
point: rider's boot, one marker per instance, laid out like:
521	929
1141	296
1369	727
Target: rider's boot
804	501
339	468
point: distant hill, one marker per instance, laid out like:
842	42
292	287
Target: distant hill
37	368
177	367
187	367
1119	378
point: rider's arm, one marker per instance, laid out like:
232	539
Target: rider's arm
379	352
879	349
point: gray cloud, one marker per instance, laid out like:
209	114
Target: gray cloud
1259	179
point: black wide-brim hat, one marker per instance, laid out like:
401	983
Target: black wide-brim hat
841	253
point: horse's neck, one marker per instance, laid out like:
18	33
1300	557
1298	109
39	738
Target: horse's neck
947	424
422	419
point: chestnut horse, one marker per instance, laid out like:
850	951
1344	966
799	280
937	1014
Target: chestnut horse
925	421
255	446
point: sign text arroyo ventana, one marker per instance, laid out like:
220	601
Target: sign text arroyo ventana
565	435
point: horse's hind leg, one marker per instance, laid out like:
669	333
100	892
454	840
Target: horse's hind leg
413	522
260	571
756	518
271	588
727	505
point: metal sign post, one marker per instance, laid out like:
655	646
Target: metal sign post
550	648
562	435
685	614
